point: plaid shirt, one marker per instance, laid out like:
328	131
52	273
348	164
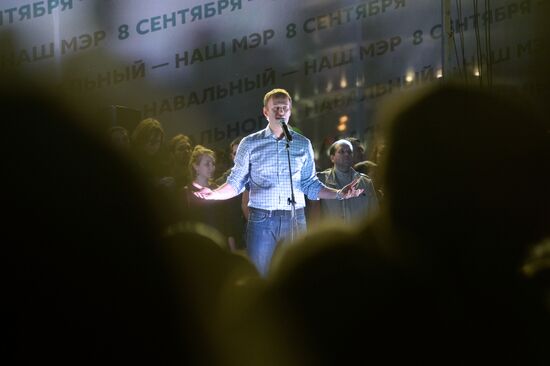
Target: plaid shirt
262	163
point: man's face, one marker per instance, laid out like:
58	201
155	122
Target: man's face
343	157
277	108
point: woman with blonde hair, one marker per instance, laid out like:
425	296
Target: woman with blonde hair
202	166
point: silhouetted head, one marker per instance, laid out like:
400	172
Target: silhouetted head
148	137
465	164
180	148
83	246
358	149
118	136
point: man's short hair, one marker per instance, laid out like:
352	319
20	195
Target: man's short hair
276	93
332	148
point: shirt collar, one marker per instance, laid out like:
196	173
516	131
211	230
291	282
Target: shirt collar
268	133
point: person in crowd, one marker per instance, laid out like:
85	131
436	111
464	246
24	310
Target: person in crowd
88	276
448	190
366	167
202	166
358	150
360	164
370	167
354	209
180	148
147	141
262	163
119	138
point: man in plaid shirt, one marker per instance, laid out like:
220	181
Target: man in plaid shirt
262	163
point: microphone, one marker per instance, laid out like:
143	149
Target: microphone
285	129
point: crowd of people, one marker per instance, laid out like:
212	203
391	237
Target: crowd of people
113	257
176	168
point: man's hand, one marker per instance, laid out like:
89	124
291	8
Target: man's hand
224	192
204	192
351	190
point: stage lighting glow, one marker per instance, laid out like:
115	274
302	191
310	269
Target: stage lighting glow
343	82
343	123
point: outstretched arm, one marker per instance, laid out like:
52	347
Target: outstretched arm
348	191
224	192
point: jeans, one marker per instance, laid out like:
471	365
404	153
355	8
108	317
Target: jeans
266	230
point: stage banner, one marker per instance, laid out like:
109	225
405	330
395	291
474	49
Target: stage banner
202	67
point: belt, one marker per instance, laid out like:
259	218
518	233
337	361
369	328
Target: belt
283	213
